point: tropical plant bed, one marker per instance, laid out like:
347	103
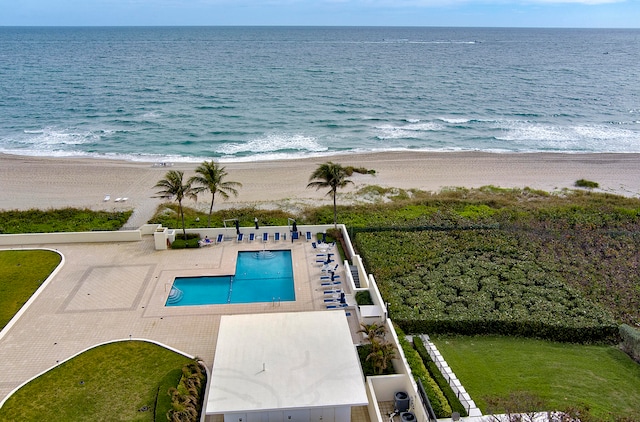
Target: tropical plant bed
117	381
21	274
560	376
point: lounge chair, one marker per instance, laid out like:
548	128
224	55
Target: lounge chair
330	283
332	292
308	236
276	237
205	242
333	299
240	238
329	268
331	277
252	237
265	237
336	305
220	238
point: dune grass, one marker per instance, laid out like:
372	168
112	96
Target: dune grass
61	220
114	382
600	378
21	273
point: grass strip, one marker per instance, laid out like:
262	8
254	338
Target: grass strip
598	377
21	273
116	381
435	373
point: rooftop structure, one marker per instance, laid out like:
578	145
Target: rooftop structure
285	366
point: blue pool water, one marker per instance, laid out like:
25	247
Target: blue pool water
262	276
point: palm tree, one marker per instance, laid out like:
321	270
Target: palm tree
373	331
333	176
382	352
173	186
210	176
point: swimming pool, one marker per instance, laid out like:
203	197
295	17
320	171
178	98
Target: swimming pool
263	276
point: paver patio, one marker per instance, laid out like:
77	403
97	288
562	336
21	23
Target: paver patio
114	291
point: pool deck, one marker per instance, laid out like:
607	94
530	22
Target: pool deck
107	292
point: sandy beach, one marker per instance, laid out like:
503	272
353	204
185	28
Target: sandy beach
36	182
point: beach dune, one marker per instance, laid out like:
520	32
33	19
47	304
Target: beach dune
36	182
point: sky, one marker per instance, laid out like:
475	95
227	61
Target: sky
462	13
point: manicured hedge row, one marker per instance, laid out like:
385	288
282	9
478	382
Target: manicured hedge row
630	341
435	373
533	329
438	401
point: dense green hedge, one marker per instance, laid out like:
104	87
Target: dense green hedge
630	341
191	242
435	373
509	282
438	401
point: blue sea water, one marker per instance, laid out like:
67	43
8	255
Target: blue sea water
255	93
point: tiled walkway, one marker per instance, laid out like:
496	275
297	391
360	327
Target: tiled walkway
106	292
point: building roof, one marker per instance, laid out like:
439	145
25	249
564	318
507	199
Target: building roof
285	361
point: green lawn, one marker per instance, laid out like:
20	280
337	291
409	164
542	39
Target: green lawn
113	382
21	273
602	378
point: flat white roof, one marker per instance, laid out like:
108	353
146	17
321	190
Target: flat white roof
285	361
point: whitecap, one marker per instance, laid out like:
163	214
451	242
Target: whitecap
580	138
454	121
273	143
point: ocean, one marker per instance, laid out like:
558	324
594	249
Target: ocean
187	94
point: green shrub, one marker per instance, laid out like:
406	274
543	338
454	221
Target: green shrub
630	341
363	297
438	401
435	373
192	241
583	183
187	397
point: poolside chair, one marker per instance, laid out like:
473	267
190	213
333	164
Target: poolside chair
265	237
331	277
220	238
276	237
336	305
332	300
308	236
240	238
330	283
332	292
329	268
252	237
205	242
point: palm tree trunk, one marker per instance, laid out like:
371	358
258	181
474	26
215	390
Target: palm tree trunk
184	229
335	211
213	196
